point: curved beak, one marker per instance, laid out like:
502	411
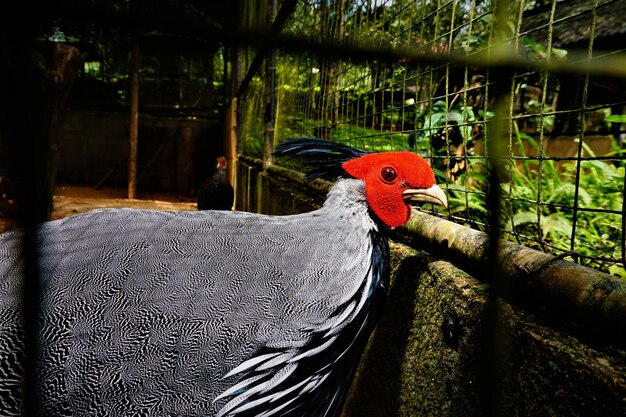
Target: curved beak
433	195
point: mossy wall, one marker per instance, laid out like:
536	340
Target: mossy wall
433	354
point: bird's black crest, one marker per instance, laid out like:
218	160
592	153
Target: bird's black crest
322	157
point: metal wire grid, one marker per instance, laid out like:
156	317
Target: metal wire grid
445	111
304	109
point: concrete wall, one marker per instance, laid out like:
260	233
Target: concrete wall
175	154
432	354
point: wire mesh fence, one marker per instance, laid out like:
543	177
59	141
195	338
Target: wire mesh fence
522	90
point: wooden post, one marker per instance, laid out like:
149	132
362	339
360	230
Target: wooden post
134	118
230	144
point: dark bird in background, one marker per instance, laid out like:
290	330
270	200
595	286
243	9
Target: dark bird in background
216	193
212	313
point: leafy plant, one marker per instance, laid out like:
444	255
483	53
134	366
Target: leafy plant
457	118
546	204
538	51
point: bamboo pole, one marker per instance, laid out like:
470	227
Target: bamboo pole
269	94
588	302
230	144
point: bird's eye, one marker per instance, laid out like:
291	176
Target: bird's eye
388	174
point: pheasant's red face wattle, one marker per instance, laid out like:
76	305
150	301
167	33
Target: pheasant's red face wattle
392	180
221	162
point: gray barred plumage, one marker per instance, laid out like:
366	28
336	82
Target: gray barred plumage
212	313
196	313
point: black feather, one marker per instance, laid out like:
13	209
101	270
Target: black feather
323	158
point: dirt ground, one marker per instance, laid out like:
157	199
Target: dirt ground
70	200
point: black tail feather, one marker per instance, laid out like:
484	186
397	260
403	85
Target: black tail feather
323	158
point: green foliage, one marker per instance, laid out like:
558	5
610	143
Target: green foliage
251	121
440	117
544	204
369	139
540	52
444	113
616	118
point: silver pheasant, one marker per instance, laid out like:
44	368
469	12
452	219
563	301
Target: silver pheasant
211	313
